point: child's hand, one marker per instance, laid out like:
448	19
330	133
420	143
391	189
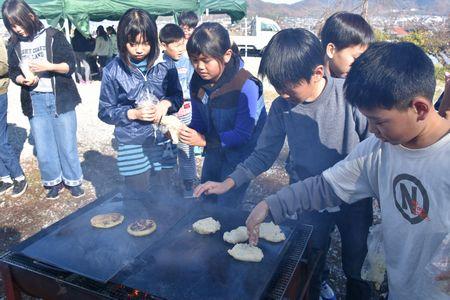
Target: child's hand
145	113
256	217
23	81
161	110
211	187
191	137
40	65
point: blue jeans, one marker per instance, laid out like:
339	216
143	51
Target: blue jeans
9	161
56	142
353	222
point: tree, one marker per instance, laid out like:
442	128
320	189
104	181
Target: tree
431	42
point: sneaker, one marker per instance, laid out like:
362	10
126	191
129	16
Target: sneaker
5	187
188	190
19	188
326	292
53	192
76	191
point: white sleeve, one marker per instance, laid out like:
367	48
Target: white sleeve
356	177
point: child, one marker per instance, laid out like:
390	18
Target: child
48	95
187	20
172	40
394	166
11	174
228	111
127	79
113	37
321	129
345	36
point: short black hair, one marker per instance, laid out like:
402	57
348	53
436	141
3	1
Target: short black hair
390	75
291	56
101	32
344	29
17	12
171	33
134	22
210	39
188	18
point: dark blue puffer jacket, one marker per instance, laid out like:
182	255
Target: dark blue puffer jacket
121	86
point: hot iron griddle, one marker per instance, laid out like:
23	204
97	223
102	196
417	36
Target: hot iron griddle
174	262
99	254
187	265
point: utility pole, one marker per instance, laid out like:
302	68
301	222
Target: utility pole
331	9
365	10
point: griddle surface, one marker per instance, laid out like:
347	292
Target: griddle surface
187	265
99	254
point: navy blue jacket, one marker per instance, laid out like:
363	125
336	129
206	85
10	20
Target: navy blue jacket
121	86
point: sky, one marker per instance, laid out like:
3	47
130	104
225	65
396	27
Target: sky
282	1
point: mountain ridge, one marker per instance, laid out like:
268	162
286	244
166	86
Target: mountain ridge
319	8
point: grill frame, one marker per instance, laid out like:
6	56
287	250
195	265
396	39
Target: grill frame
290	263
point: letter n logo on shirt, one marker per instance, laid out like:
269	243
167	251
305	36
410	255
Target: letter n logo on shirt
411	198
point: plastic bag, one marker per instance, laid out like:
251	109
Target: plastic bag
24	66
146	98
374	266
440	264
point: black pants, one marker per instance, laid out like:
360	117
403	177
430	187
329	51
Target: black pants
353	222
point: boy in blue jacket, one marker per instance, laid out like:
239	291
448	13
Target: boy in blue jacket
172	41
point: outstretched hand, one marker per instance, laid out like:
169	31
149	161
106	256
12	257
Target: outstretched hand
211	187
256	217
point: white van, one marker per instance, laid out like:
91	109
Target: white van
261	31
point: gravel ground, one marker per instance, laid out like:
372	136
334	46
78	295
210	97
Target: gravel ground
23	217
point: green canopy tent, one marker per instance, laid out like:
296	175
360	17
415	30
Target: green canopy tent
80	12
236	9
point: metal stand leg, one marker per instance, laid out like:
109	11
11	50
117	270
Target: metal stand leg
12	291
